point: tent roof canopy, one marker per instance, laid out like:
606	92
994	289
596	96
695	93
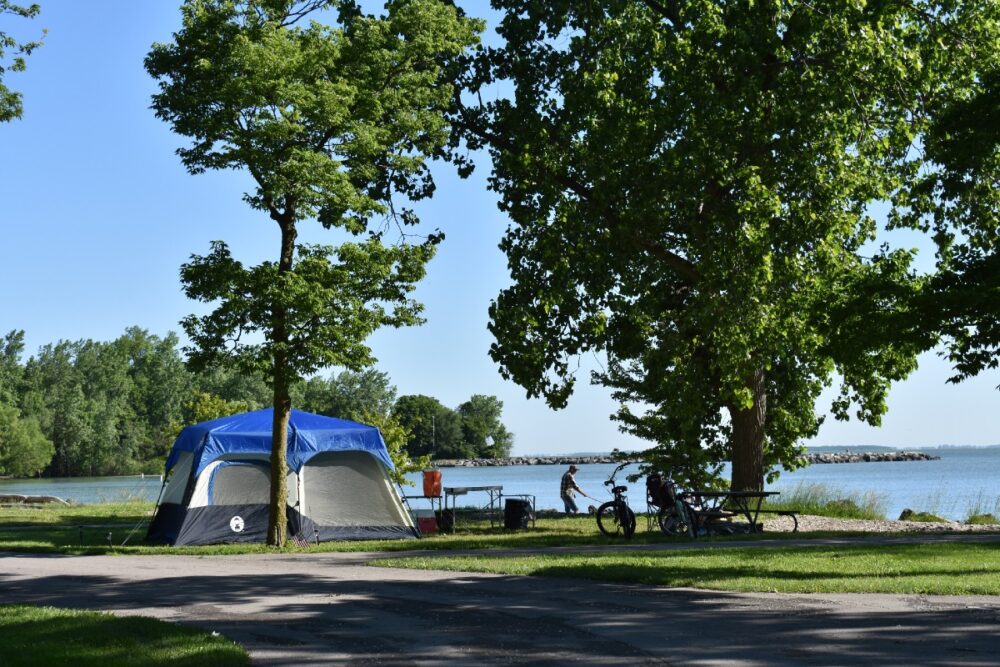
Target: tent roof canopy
250	433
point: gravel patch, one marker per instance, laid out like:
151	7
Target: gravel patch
809	523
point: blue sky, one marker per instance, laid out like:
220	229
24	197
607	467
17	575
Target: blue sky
98	215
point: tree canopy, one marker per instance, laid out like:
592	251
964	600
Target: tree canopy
80	408
12	56
332	123
472	430
957	200
435	429
24	449
11	371
482	429
109	408
349	394
691	187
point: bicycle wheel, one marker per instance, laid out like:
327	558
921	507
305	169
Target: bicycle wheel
669	522
627	521
673	522
607	519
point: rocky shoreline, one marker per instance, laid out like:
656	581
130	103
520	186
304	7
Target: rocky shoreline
18	499
835	457
868	457
523	461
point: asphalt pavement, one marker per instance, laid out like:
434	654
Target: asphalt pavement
332	609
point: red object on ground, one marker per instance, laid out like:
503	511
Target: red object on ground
427	525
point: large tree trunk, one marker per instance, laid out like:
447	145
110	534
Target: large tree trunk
748	438
277	525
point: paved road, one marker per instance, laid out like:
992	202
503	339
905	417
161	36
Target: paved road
331	609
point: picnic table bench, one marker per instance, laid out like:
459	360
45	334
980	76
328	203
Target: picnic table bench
710	507
790	513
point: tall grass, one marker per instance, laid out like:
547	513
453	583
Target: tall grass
933	504
982	510
121	497
821	500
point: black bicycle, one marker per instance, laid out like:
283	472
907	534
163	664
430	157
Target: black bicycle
615	517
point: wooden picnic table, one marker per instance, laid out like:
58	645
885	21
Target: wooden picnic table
707	505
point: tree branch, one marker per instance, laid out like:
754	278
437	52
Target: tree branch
295	15
668	10
679	265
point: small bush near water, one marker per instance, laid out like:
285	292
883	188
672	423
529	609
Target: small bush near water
983	510
921	517
982	519
820	500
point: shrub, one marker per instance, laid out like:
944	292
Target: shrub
820	500
983	509
923	517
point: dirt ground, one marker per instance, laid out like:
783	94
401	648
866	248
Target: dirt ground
332	609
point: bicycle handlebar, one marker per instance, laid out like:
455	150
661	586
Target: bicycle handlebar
611	480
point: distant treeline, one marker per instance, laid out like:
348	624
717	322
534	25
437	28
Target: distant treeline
85	408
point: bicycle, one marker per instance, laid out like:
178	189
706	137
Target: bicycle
615	517
675	516
690	513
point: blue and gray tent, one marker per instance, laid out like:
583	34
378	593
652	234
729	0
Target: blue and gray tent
217	483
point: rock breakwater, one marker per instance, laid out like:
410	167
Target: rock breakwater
18	499
836	457
868	457
523	461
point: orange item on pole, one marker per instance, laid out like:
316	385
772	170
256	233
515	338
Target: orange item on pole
432	483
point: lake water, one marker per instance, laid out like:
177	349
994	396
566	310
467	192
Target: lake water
963	478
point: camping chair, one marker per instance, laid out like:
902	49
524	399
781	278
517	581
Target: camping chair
676	512
656	499
666	509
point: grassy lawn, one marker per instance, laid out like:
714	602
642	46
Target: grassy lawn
47	637
121	528
84	529
938	569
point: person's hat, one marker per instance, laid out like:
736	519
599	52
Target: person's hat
573	468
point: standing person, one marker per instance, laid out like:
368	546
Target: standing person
567	488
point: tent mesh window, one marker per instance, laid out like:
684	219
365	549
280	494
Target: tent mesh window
241	484
177	480
291	488
348	489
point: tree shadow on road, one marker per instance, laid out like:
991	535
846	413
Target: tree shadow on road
330	616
